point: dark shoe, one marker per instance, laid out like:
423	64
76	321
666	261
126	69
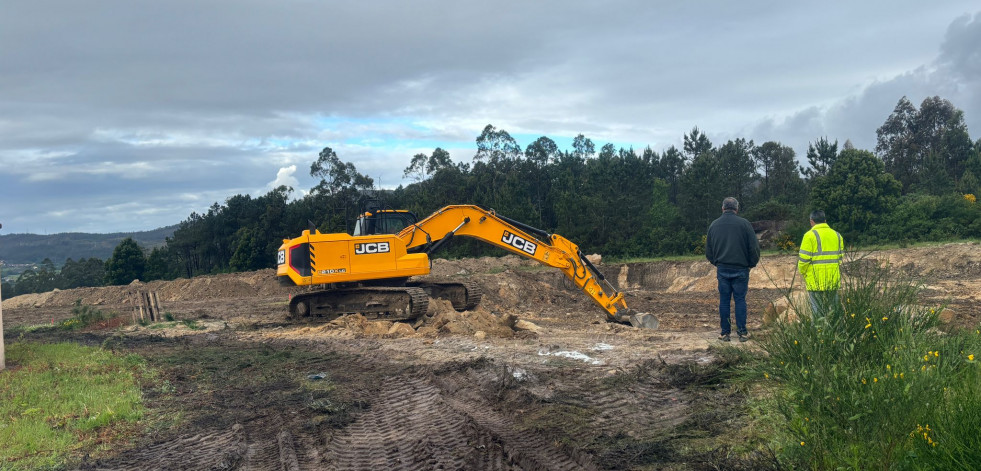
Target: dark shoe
744	337
724	337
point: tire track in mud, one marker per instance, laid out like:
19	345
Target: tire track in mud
642	409
226	449
415	425
232	449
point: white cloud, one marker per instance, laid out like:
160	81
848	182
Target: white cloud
285	177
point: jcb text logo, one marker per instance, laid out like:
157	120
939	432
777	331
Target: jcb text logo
371	247
519	243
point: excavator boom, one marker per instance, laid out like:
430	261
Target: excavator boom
548	249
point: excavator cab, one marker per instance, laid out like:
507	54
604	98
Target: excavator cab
383	221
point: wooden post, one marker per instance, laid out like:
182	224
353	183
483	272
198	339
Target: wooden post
156	305
145	306
148	305
154	315
3	361
3	358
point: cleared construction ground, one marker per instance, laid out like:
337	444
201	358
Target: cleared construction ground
533	378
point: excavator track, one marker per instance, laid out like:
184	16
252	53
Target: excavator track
464	295
374	303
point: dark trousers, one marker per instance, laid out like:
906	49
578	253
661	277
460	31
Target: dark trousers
733	285
822	302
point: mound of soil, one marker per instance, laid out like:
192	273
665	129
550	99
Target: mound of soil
443	319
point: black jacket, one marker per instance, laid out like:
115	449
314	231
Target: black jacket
732	243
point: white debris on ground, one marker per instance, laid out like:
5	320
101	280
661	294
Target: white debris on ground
574	355
518	373
602	347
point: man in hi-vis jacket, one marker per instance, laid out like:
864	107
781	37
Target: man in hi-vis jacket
820	254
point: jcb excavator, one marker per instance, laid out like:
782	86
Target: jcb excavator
368	272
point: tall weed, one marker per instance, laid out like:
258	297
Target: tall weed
874	383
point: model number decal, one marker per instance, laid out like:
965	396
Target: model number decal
281	257
372	247
332	271
519	243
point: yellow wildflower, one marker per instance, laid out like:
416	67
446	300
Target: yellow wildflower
869	322
875	380
888	367
884	318
801	443
970	357
864	382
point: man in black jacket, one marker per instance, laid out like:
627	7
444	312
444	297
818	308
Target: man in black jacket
731	246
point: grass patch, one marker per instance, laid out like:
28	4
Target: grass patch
874	384
61	401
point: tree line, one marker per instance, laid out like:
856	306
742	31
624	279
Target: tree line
918	184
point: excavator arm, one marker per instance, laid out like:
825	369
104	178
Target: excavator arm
548	249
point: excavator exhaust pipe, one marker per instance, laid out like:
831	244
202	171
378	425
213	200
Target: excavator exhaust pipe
640	320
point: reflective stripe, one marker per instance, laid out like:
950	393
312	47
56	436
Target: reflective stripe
824	261
805	252
817	238
804	260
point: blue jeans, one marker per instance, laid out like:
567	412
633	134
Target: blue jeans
733	284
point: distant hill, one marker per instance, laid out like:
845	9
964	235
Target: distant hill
33	248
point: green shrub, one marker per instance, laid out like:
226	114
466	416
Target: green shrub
874	384
83	316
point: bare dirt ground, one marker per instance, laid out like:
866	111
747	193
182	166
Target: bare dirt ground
534	378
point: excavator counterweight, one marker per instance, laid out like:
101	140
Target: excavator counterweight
370	272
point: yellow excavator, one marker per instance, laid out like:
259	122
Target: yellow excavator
369	272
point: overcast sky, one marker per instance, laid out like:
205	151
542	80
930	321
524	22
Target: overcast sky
129	115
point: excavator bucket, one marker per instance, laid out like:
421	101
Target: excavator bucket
640	320
643	320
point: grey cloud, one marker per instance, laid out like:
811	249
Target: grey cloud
953	75
118	101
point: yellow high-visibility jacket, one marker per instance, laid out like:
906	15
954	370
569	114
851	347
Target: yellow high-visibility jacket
820	253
